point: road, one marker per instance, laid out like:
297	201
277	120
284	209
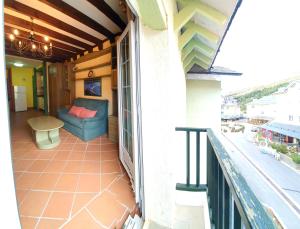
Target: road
254	166
287	178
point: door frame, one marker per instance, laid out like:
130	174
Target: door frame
141	191
139	131
10	89
41	70
130	167
139	150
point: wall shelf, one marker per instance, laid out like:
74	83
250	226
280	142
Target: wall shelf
93	67
92	55
94	77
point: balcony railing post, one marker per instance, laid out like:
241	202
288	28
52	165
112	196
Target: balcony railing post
231	211
198	158
188	185
236	218
188	158
226	206
220	198
209	173
214	188
227	191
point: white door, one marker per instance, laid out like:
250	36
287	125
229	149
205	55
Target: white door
20	98
127	104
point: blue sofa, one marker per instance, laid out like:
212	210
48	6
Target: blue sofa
88	128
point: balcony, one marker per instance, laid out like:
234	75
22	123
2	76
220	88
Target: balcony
231	201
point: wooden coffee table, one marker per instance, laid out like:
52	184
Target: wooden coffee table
46	130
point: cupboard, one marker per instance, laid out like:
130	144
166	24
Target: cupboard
61	86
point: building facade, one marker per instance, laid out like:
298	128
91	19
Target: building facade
230	109
281	106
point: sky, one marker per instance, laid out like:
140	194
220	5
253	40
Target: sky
263	43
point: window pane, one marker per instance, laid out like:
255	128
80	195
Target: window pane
123	51
126	40
124	96
128	98
123	75
128	73
129	122
130	147
125	117
125	139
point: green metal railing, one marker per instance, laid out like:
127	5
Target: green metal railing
188	186
231	202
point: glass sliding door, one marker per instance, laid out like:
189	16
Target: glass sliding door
127	98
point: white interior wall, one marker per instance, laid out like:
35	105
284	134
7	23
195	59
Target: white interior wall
163	108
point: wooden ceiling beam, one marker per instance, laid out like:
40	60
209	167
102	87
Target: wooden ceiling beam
78	16
56	49
109	12
21	8
45	31
63	47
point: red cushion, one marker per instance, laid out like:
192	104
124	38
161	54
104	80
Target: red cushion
86	113
75	110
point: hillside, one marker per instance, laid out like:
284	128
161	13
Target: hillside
257	88
257	94
246	96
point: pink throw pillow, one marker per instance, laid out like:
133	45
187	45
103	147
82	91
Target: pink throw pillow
75	111
86	113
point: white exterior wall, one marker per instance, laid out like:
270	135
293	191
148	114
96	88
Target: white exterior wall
289	105
286	104
267	110
8	206
250	110
231	110
163	108
203	99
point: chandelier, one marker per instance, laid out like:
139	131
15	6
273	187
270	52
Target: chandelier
24	44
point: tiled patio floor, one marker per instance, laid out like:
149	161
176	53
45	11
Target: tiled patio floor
76	185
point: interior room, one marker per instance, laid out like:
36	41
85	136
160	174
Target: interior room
62	83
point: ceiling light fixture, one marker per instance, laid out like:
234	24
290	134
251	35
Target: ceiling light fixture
11	37
28	43
18	64
16	32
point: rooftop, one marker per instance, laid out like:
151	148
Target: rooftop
282	128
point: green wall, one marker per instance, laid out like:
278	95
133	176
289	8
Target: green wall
23	77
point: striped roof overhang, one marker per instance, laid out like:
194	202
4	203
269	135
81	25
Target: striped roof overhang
201	27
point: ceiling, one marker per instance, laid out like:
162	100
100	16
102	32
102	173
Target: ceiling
202	26
72	26
29	63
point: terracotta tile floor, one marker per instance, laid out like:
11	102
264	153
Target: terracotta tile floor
76	185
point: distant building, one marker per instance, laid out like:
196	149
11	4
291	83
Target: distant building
263	109
230	109
289	104
282	132
283	107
